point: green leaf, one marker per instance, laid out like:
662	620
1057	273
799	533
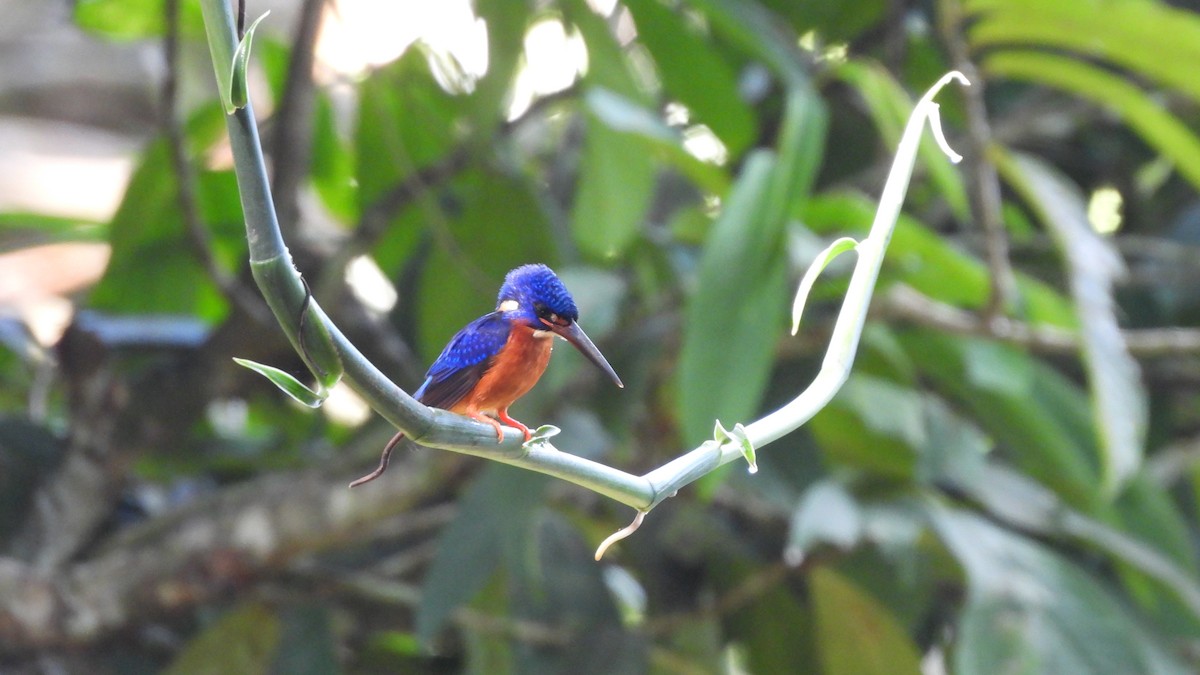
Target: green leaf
543	434
1044	426
832	20
1029	610
695	74
838	247
1152	39
616	181
732	318
760	34
238	91
127	20
406	122
506	22
872	424
607	65
153	269
332	167
288	384
1161	130
855	634
1093	266
825	514
738	435
243	640
1020	502
625	115
495	512
24	230
929	263
728	331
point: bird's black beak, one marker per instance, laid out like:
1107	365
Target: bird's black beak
574	334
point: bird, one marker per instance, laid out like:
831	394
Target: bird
497	358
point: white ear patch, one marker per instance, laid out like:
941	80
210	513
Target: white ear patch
508	305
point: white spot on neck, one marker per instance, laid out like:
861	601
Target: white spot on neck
542	334
508	306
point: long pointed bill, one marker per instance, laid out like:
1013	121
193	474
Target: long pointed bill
574	334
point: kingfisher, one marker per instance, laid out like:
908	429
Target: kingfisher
497	358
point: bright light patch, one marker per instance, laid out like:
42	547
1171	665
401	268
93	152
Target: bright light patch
554	59
345	407
360	34
370	285
1104	210
676	114
704	145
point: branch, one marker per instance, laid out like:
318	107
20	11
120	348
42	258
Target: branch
902	302
227	283
286	295
213	545
292	141
983	180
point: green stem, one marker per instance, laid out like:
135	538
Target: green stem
285	293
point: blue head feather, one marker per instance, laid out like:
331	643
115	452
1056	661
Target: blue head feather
536	289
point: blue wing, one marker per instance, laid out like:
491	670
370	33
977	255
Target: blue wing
464	361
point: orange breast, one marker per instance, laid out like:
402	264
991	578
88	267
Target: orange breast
516	369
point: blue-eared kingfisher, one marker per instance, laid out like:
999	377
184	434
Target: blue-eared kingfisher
497	358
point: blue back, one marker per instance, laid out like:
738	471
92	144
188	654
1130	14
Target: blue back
464	361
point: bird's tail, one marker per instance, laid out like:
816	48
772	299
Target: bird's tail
383	461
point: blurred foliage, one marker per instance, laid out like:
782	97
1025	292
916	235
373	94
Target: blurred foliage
964	501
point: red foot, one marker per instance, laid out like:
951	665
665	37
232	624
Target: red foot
495	425
513	423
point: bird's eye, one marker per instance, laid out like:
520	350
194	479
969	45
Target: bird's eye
547	315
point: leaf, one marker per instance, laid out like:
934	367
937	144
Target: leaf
728	334
238	87
760	34
153	269
930	264
1157	126
127	20
838	247
495	512
738	435
332	166
1093	266
616	174
732	318
1044	427
825	514
622	114
1151	39
243	640
873	424
406	122
506	22
24	230
1020	502
855	634
616	181
288	384
1030	610
544	433
695	74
